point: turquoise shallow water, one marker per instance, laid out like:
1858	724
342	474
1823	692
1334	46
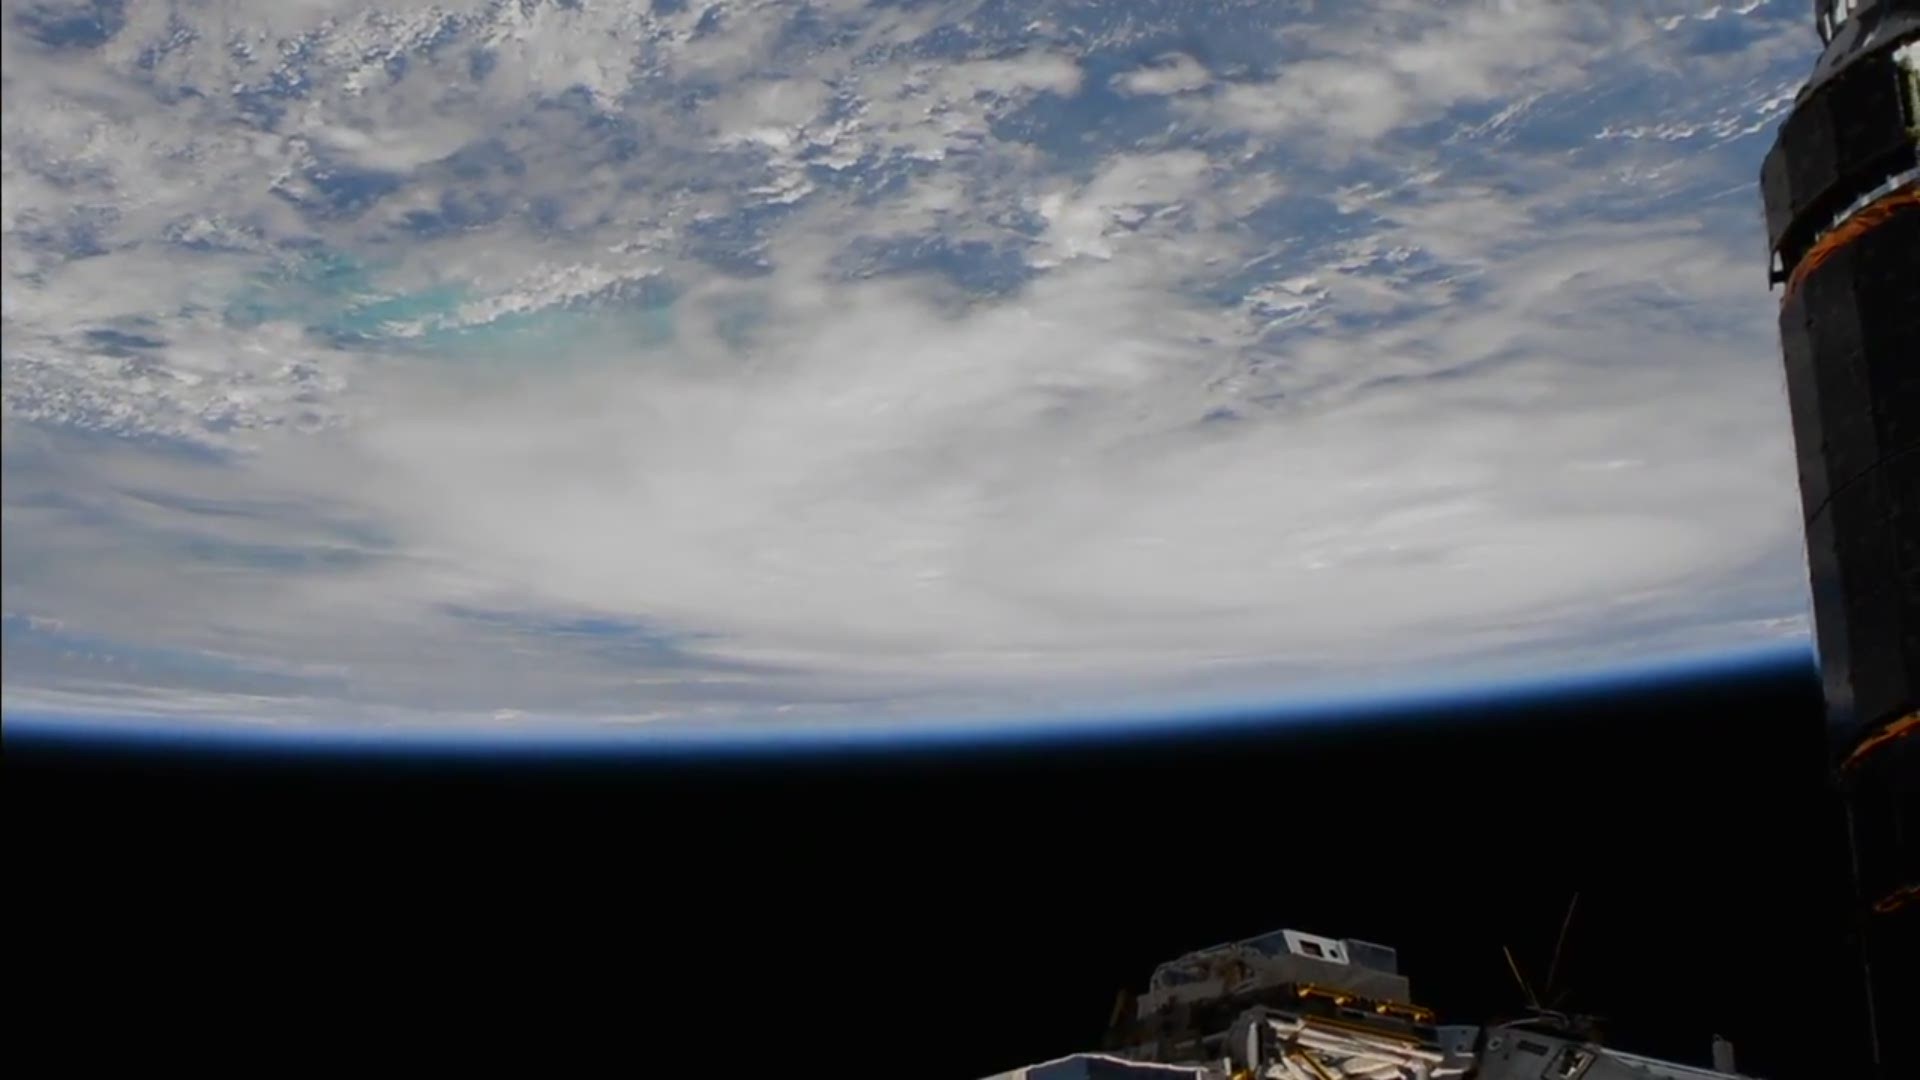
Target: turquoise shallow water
356	304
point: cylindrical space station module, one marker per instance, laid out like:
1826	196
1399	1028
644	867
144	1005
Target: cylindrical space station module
1842	192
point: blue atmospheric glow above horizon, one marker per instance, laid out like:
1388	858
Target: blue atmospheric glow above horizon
575	367
1351	712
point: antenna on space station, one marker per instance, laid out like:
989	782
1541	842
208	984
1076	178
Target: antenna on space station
1526	990
1559	947
1552	1001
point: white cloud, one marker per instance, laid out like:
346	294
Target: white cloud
1174	74
1404	64
1126	193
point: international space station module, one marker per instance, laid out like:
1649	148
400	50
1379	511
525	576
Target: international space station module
1841	190
1289	1005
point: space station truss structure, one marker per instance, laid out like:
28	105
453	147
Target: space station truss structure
1841	190
1278	1044
1270	1045
1290	1005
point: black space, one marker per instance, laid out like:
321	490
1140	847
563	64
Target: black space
931	915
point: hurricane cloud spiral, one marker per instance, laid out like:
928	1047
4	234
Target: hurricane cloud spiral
605	361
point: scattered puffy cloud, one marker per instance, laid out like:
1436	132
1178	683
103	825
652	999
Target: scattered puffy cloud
1174	74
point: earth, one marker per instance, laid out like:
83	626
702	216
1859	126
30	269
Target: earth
518	363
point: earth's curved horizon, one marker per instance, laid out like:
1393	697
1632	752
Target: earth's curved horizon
533	739
479	364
